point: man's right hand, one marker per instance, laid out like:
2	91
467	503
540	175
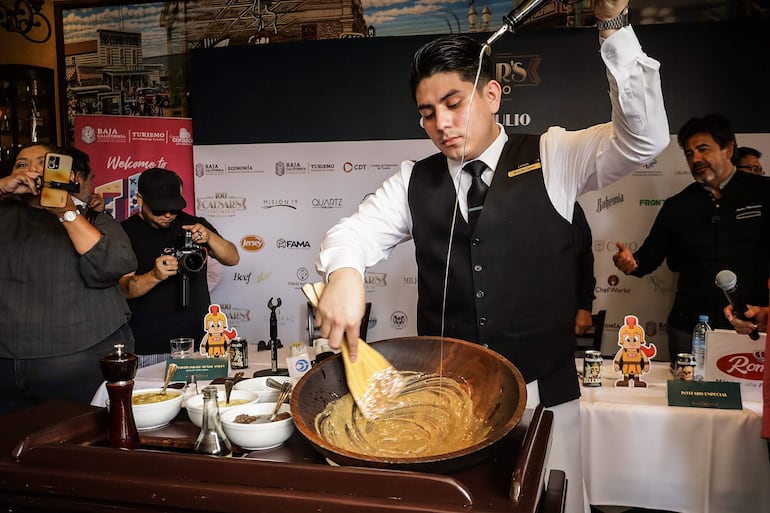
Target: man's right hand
624	259
341	308
165	266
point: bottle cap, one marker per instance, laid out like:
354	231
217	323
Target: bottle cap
297	348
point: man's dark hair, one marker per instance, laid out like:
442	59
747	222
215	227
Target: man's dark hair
715	124
447	54
744	151
81	162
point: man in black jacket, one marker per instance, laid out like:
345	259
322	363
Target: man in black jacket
721	221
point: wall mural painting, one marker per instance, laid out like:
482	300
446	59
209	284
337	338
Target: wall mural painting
121	58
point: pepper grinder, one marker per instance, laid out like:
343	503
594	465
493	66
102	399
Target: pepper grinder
212	439
119	369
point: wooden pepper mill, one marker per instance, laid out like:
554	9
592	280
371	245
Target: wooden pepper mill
119	369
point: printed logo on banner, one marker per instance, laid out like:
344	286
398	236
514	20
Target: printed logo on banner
148	136
645	202
321	168
660	285
326	202
250	277
183	139
285	203
516	71
302	276
390	167
608	201
372	321
612	281
399	320
410	280
235	316
649	169
743	365
252	243
241	169
372	280
202	168
110	135
292	244
88	134
290	168
513	118
220	205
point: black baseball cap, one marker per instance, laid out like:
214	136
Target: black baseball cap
161	189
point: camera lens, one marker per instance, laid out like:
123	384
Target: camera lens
192	262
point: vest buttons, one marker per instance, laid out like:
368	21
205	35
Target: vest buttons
476	241
479	294
482	321
477	268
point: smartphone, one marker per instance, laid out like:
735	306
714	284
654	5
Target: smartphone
56	180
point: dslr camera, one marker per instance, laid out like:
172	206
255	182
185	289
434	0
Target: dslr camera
191	256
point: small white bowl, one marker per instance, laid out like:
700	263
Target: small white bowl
155	415
194	404
266	394
257	436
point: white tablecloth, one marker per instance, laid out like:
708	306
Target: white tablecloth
640	452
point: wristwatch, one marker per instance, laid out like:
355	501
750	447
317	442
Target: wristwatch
618	22
69	216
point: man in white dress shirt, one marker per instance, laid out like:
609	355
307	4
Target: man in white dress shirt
511	273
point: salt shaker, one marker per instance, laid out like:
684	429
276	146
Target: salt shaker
212	439
119	369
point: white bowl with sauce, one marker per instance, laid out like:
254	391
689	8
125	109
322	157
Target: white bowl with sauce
259	435
194	404
160	411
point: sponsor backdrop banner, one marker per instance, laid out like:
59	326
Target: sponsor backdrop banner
276	202
121	147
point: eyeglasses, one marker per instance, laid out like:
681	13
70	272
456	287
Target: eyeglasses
159	213
752	169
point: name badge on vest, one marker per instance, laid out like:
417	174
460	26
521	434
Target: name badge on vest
524	168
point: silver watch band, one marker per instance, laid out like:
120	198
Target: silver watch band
618	22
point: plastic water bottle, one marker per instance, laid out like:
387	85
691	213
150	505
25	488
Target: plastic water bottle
699	346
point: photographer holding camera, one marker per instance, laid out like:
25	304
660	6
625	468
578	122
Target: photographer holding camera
168	295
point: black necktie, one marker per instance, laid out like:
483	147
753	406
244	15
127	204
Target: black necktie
477	190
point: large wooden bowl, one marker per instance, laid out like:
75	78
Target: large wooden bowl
498	391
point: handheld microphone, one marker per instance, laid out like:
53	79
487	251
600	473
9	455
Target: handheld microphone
516	17
728	282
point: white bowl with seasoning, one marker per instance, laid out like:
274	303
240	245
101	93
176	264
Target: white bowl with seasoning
152	409
248	426
194	404
266	394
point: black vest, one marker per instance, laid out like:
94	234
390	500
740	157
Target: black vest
511	282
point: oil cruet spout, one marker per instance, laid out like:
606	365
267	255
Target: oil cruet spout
212	439
119	369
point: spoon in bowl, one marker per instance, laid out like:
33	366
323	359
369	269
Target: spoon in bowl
284	393
172	367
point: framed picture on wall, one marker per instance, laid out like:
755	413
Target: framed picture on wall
122	58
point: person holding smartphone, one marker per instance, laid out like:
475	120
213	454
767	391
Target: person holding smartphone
62	307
